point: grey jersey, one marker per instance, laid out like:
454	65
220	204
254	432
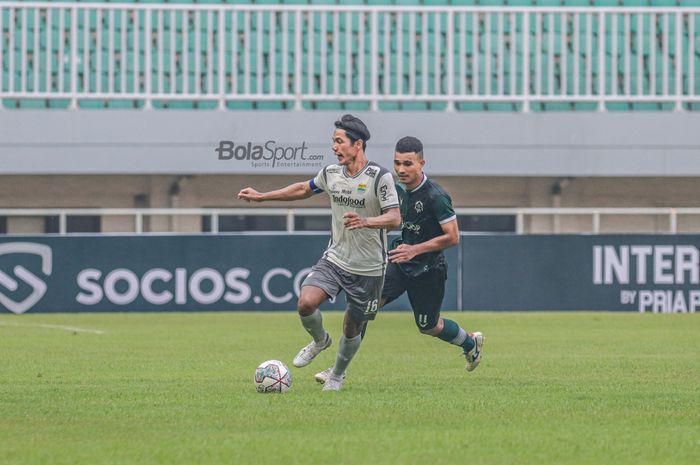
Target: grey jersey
369	193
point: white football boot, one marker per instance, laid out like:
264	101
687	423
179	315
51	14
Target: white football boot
308	353
333	383
474	356
322	376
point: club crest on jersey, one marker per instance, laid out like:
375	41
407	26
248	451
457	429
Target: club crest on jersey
419	207
362	187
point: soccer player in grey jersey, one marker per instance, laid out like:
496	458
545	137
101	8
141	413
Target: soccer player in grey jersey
364	204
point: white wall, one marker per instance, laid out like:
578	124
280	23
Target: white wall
459	143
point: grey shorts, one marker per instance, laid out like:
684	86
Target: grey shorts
362	292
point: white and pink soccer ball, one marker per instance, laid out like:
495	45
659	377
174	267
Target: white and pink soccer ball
272	376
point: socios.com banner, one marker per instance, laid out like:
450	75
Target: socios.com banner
644	273
164	273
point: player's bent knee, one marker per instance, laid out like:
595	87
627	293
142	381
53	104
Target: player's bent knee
306	306
310	299
352	327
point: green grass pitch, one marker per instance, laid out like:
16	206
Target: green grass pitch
176	388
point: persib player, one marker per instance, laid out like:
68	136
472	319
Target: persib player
364	204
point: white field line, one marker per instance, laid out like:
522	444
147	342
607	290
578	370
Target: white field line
61	327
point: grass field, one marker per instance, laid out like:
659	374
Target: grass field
553	388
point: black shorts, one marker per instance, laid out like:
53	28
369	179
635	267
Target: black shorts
425	292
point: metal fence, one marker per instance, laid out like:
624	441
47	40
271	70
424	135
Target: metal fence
290	214
296	54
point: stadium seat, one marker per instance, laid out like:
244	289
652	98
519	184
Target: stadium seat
92	21
239	105
356	106
273	105
91	104
33	104
556	106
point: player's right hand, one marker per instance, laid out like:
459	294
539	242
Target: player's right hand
249	194
353	220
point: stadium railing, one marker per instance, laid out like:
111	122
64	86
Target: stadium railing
355	57
213	215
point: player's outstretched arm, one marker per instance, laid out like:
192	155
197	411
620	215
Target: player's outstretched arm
296	191
406	252
390	219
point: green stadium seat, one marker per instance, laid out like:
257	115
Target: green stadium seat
437	106
330	106
32	104
239	105
651	106
415	106
58	104
491	2
91	104
269	105
206	105
584	106
357	106
469	106
124	104
500	106
10	103
556	106
618	106
178	104
352	22
389	106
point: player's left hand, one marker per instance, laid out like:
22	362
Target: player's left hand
402	253
353	220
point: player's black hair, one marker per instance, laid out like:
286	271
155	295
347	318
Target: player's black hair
354	128
410	144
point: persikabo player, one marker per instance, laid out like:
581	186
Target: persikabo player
364	204
417	263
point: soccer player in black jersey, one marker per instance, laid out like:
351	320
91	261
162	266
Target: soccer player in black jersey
417	264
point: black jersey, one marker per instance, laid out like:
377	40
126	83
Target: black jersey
423	212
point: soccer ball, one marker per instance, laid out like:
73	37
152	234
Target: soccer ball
272	376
